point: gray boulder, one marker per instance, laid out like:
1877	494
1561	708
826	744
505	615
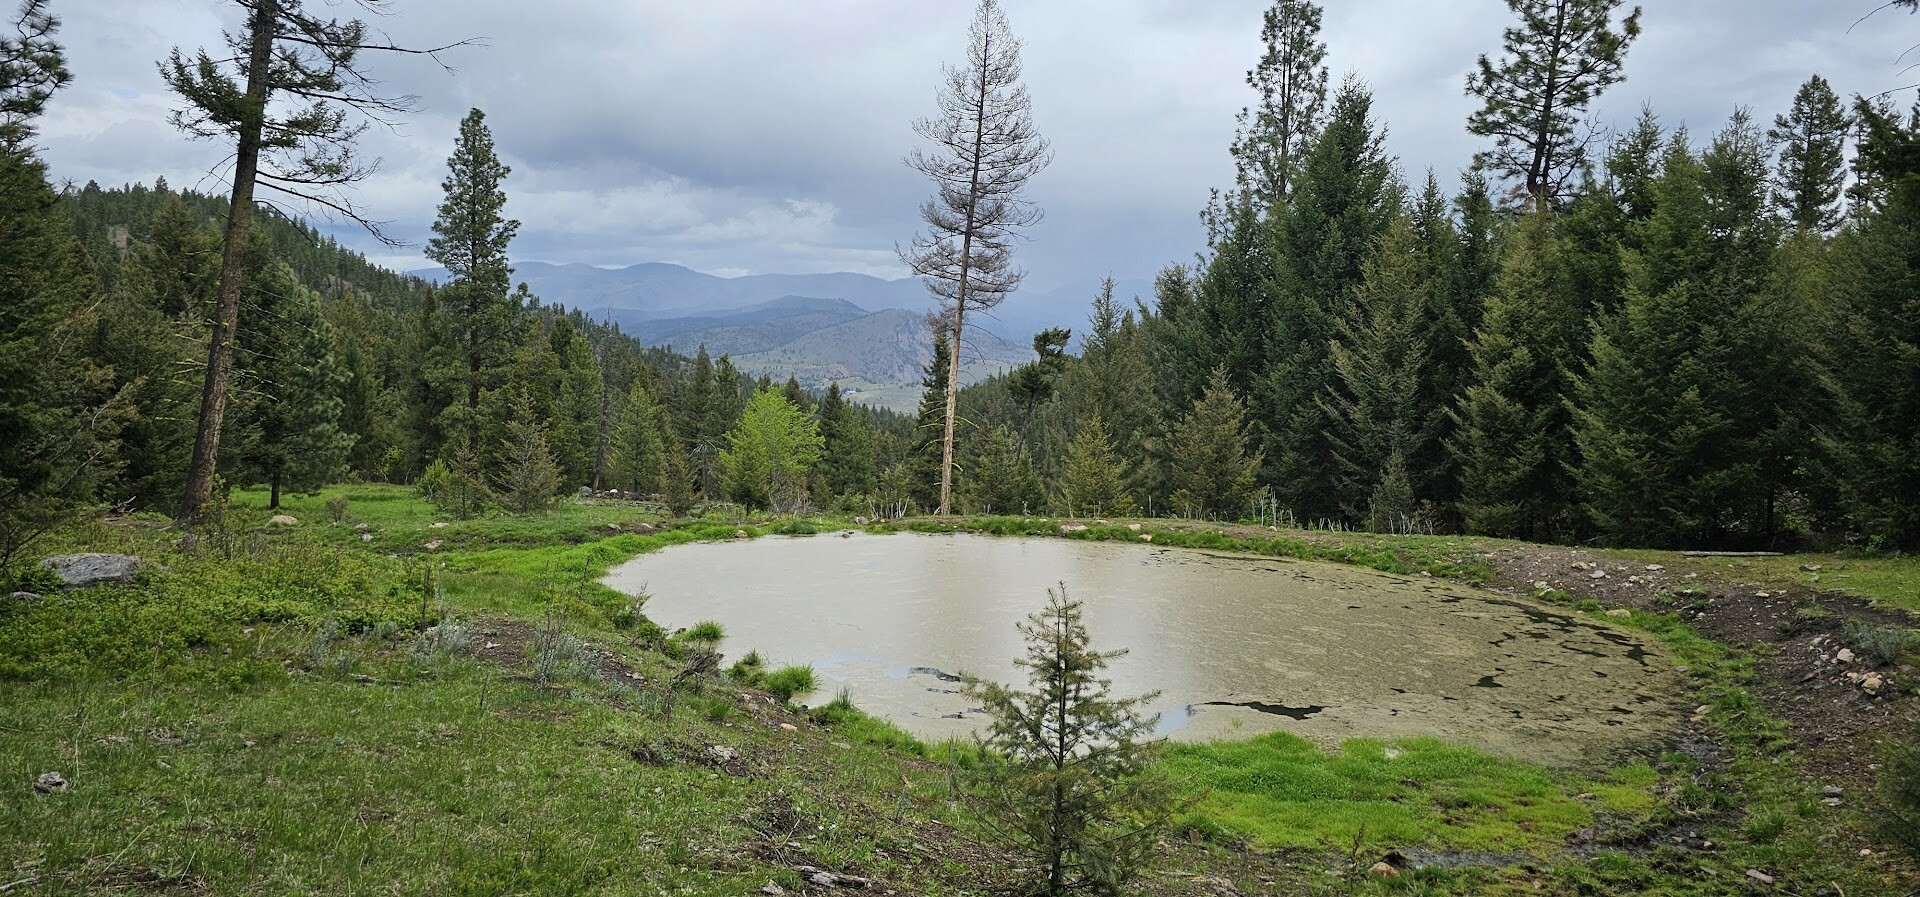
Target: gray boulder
82	571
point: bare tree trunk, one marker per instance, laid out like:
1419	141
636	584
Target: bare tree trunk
226	322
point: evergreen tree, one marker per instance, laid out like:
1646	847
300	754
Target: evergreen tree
770	453
1001	479
1876	290
847	449
1068	767
1096	480
1346	197
1291	82
923	452
677	476
1379	415
527	478
1511	435
635	446
1560	57
297	442
470	239
1813	167
1210	465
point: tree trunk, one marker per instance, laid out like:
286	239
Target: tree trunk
226	322
273	497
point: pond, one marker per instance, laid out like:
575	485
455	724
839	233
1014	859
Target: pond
1237	645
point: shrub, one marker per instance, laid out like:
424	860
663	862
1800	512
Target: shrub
337	509
557	654
1877	644
1896	814
789	681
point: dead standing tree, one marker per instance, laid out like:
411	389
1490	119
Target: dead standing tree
293	100
985	151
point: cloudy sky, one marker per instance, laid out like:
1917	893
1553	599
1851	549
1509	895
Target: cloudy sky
754	136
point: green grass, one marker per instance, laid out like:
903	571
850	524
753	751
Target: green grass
1279	791
1890	581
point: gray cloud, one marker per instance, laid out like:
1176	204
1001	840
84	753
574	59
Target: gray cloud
757	136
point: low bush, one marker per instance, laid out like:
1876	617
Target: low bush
1878	644
790	681
1896	812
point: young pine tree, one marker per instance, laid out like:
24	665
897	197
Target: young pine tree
1001	479
1209	467
528	477
1096	480
635	446
1069	767
770	453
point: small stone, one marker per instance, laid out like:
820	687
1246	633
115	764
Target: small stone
789	727
739	534
24	597
643	527
49	782
773	890
1759	876
860	521
615	527
1811	568
723	754
1831	801
824	879
1383	870
283	520
1541	585
1844	655
1073	527
1763	594
361	527
586	491
1866	851
1702	710
1134	526
438	524
1832	791
1597	574
1655	568
366	537
1872	683
1146	537
433	544
1620	613
1582	566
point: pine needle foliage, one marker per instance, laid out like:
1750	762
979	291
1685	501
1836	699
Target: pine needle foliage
1069	768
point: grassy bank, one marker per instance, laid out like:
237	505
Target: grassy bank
276	713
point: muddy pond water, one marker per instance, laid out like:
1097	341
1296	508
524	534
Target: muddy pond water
1237	645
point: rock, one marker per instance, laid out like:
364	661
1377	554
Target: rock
366	537
433	544
789	727
49	782
1597	574
1541	585
773	890
283	520
24	597
1831	801
1134	526
824	879
1759	877
722	754
1702	710
1073	527
1655	568
83	571
643	527
1146	537
1763	594
361	527
1844	655
1582	566
1832	791
438	524
586	491
1383	870
1872	683
615	527
739	534
1620	613
1811	568
859	521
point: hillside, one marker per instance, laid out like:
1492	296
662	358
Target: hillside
655	290
889	347
756	329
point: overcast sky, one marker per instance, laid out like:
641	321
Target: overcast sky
753	136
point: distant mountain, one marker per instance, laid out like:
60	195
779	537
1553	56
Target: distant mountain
757	328
886	347
658	290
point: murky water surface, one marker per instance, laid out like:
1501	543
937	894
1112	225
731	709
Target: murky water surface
1236	645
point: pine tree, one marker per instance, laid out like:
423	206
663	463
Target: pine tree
770	453
1379	415
677	476
923	452
1511	435
527	478
847	449
1001	479
1210	466
1560	57
635	445
1068	767
1096	480
470	240
298	444
1813	167
1346	197
1291	83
